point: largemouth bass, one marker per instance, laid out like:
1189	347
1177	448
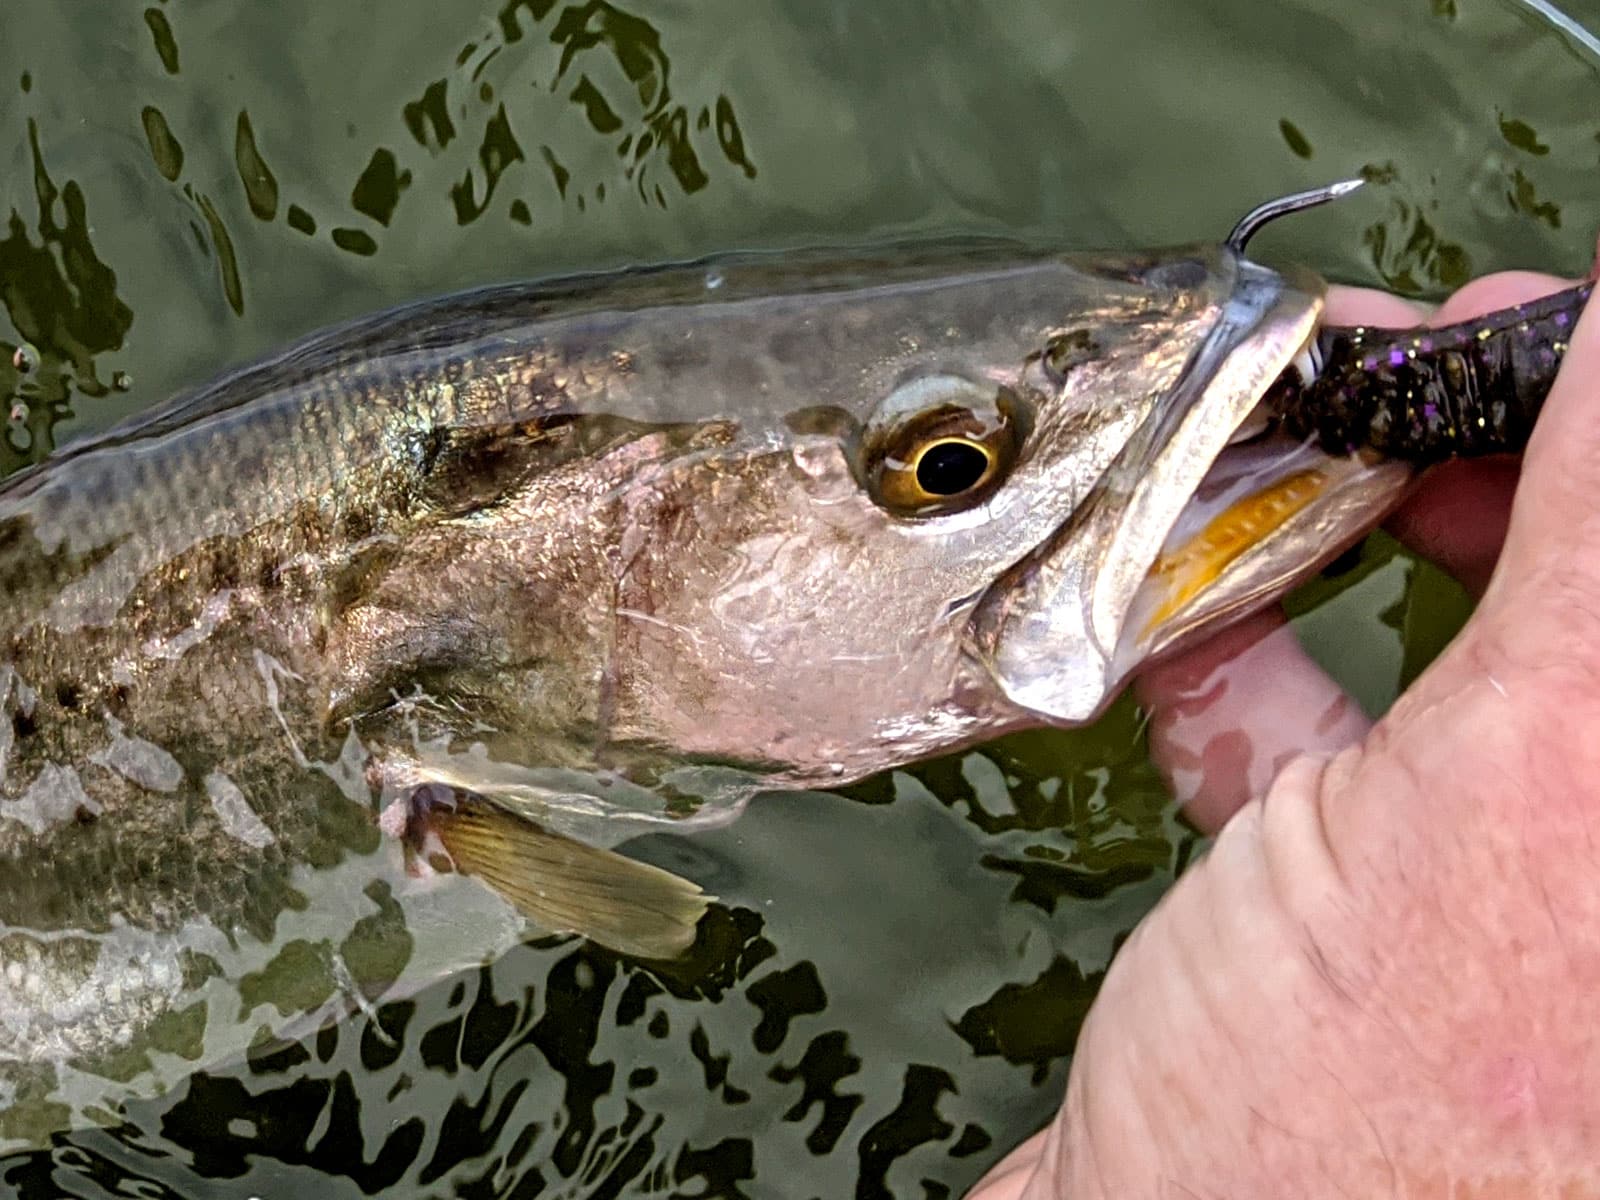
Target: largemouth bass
372	649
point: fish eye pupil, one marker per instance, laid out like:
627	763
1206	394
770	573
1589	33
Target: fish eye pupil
950	468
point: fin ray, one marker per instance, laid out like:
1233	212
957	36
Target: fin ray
568	887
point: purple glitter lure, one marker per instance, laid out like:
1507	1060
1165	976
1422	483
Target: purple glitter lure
1462	390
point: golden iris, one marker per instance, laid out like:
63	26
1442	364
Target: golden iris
939	465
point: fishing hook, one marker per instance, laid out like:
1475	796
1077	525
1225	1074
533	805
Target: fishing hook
1282	206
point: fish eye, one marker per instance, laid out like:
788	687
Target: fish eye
949	456
952	465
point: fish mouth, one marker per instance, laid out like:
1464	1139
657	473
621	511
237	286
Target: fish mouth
1271	512
1207	515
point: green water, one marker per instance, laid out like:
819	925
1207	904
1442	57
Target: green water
889	994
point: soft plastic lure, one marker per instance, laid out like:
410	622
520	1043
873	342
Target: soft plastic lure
1425	395
1421	395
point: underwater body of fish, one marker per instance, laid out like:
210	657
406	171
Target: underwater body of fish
373	648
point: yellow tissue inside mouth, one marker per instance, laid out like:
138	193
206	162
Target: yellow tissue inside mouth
1196	565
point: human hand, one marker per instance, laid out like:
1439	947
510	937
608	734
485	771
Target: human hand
1379	980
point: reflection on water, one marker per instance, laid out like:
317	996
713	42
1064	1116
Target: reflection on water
63	305
547	70
1408	253
887	998
461	130
482	1087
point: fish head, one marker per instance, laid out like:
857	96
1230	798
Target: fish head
1006	489
1201	515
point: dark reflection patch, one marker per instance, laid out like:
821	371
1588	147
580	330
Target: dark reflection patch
826	1062
782	996
221	244
356	241
1407	250
717	1170
498	150
165	151
62	302
260	185
161	34
471	1130
1524	198
646	123
383	1040
1045	884
378	190
1033	1024
715	1067
428	118
311	1122
914	1122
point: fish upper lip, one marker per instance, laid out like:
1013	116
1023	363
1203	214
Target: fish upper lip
1048	630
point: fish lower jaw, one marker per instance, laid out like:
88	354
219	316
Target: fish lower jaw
1271	512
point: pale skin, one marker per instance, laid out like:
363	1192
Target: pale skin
1382	980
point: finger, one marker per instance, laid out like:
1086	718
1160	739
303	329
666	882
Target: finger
1369	306
1009	1178
1227	716
1552	550
1458	513
1457	517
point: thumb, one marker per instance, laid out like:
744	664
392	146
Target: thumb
1549	570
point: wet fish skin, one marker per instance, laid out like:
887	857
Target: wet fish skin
351	458
601	552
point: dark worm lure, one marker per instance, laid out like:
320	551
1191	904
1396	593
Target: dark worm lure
1426	395
1421	395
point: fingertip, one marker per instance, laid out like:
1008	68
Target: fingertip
1457	517
1226	716
1552	520
1370	306
1504	289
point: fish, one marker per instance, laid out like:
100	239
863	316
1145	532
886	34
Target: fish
337	672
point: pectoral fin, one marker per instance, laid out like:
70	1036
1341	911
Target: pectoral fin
567	887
